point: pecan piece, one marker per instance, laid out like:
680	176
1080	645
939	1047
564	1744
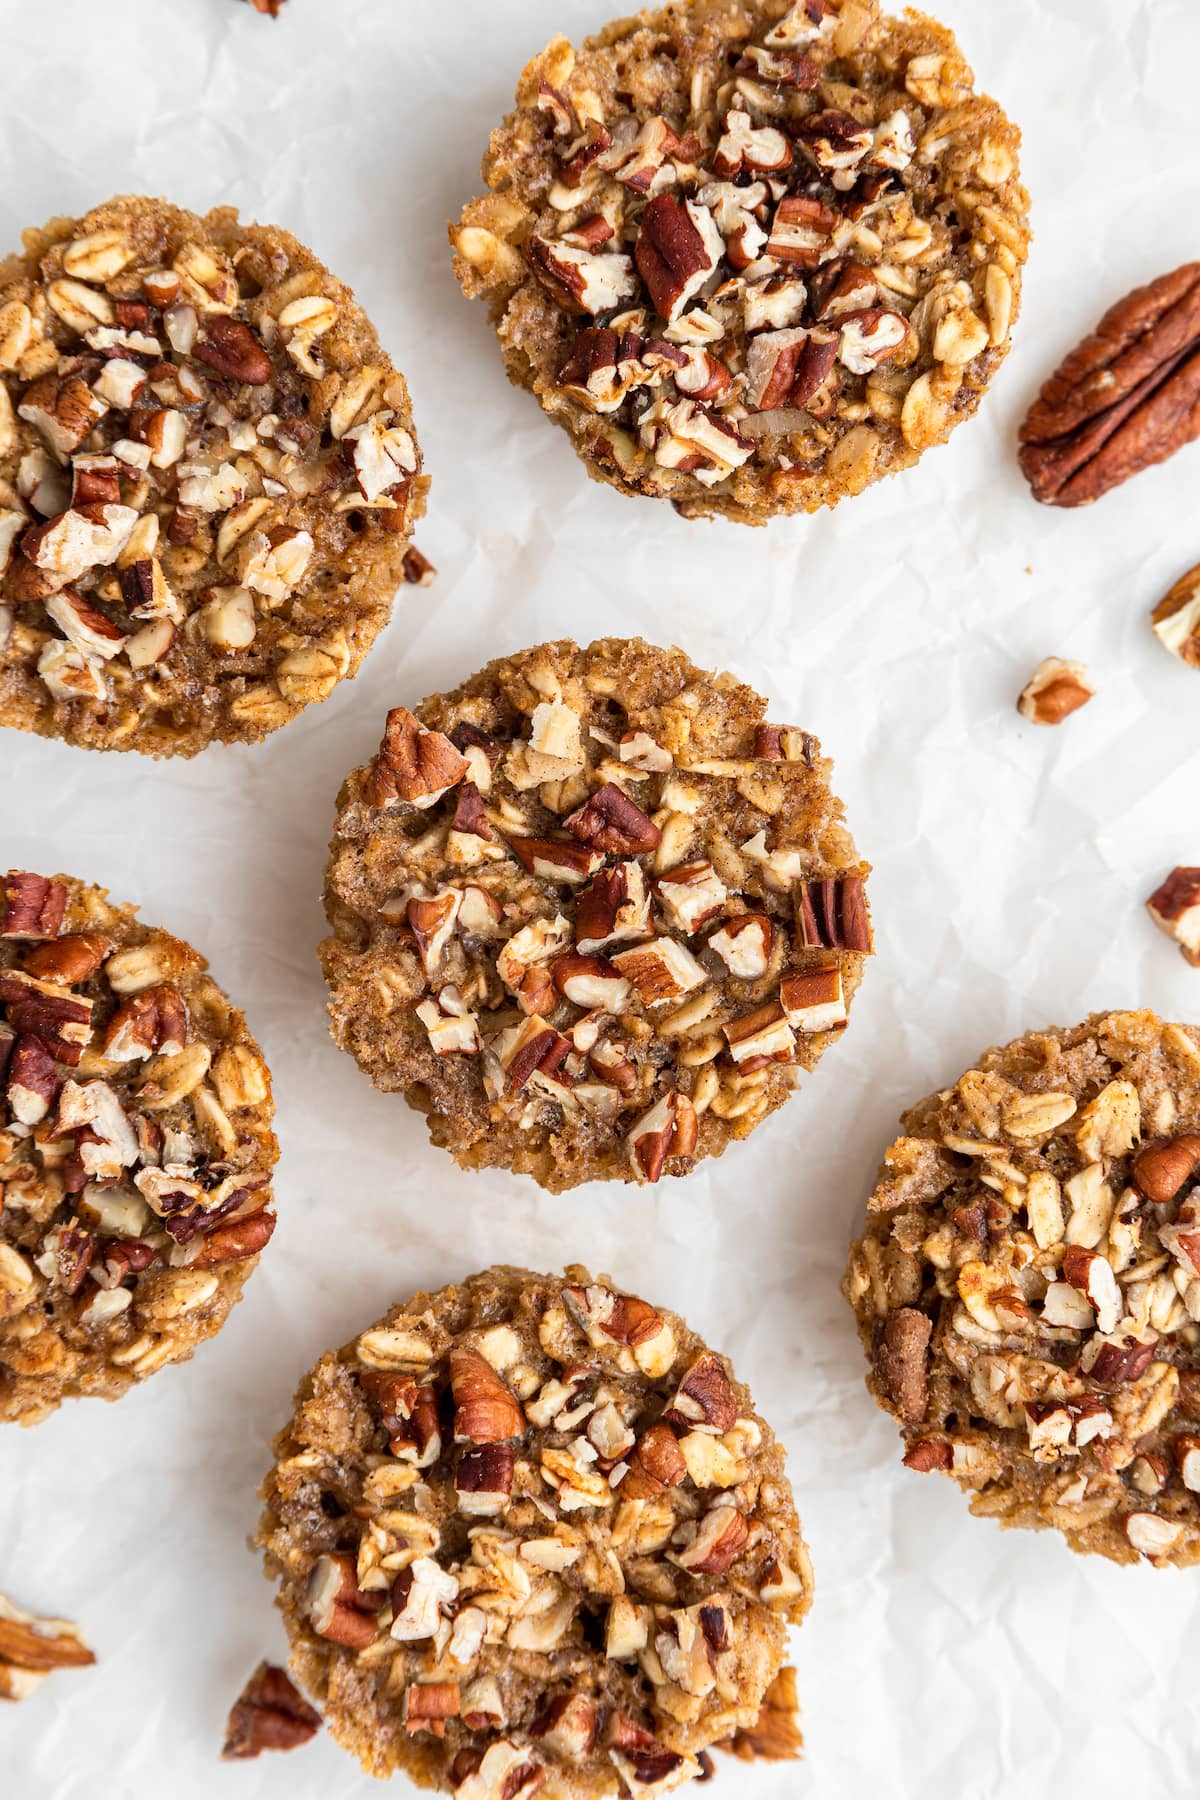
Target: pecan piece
485	1412
900	1361
152	1022
655	1464
68	960
1127	398
33	906
832	914
268	1714
40	1645
775	1735
1161	1169
1176	619
609	820
231	348
704	1397
235	1241
1175	909
1054	691
61	1020
413	764
678	247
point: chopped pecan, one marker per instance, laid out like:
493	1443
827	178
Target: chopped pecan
1127	398
556	859
678	247
670	1128
68	960
704	1397
832	914
338	1608
1175	909
414	764
836	141
721	1536
589	981
269	1714
33	1080
901	1349
484	1479
37	1646
1176	619
147	1024
33	905
428	1704
234	1241
745	148
231	348
610	821
1161	1169
1054	691
61	1020
485	1411
775	1735
927	1454
655	1464
469	815
568	1725
801	231
841	286
583	280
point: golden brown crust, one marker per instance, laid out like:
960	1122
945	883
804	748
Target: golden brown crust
1028	1285
465	1528
136	1147
208	480
941	243
583	949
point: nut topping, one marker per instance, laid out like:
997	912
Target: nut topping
484	1409
413	764
269	1714
1176	619
1054	691
678	247
612	822
1175	909
32	1648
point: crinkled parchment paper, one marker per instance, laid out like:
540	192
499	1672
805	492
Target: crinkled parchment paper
943	1657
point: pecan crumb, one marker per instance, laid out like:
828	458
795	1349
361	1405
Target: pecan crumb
1175	909
269	1713
1054	691
32	1648
775	1735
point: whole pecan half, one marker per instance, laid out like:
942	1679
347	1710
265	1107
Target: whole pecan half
1129	396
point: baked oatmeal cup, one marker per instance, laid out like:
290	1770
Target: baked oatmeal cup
136	1148
751	256
208	480
1028	1285
592	914
530	1536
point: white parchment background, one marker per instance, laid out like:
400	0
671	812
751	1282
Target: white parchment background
943	1657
